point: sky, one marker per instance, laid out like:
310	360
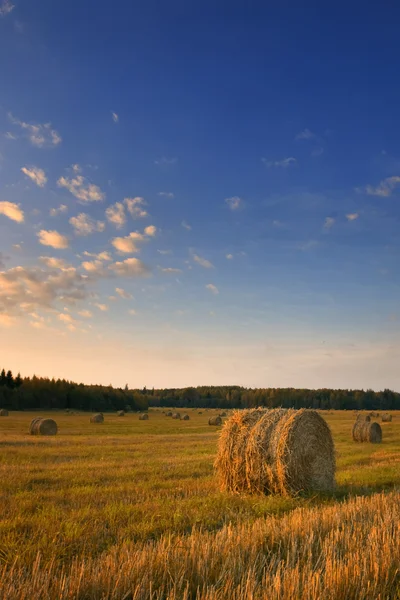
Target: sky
200	193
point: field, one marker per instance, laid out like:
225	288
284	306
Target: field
131	509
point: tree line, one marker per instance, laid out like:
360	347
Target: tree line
31	393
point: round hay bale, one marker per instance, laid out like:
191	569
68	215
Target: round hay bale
386	418
168	414
3	412
121	413
200	412
364	418
176	415
215	420
143	417
365	431
276	451
185	418
223	414
98	418
40	426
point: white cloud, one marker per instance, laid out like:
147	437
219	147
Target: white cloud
66	318
94	267
329	222
86	314
385	187
81	188
229	256
53	239
166	194
116	214
99	256
55	263
85	225
186	225
37	175
170	270
352	216
131	267
6	7
39	135
306	134
165	162
12	211
284	163
234	203
115	117
213	288
202	261
123	294
54	212
151	230
164	251
128	244
102	307
135	207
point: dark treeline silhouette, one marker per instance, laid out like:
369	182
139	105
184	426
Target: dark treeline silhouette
29	393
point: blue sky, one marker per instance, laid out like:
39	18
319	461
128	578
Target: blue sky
200	194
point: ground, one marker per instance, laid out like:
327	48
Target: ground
143	494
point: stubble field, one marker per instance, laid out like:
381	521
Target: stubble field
131	509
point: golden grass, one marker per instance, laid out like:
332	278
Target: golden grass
132	510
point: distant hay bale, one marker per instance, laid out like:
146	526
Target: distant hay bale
168	414
276	451
386	418
176	415
185	418
40	426
121	413
223	414
364	431
200	412
363	418
3	412
98	418
215	420
143	417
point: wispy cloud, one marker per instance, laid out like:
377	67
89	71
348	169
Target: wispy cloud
186	225
131	267
164	251
94	267
85	225
352	216
135	207
128	244
55	263
166	194
329	222
54	212
37	175
53	239
100	256
102	307
12	211
170	270
115	117
123	294
306	134
234	203
81	188
384	189
202	261
284	163
212	288
229	256
116	214
6	7
165	162
86	314
40	135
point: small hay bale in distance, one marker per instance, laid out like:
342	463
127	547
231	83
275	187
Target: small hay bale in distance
277	451
176	415
143	417
40	426
215	420
185	418
3	412
363	418
168	414
223	414
386	418
121	413
97	418
364	431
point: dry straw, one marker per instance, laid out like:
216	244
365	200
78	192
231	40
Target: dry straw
3	412
364	431
386	418
176	415
143	417
185	418
40	426
98	418
215	420
276	451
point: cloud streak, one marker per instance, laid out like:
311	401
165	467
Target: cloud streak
36	175
12	211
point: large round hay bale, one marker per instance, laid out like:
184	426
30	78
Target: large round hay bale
121	413
386	418
97	418
185	418
143	417
176	415
276	451
40	426
3	412
367	432
215	420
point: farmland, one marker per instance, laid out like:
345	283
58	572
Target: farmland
131	509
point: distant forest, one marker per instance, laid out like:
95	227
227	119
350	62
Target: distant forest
27	393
